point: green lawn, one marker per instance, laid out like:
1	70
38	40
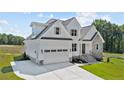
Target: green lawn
114	70
7	54
113	55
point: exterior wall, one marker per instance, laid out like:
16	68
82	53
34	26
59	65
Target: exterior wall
75	25
53	57
32	49
51	31
88	47
40	45
97	52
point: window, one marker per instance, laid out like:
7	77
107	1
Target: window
65	50
73	32
59	50
46	50
57	30
97	46
74	47
53	50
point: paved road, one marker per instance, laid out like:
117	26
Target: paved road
63	71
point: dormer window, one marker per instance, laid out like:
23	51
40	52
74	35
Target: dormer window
73	32
57	30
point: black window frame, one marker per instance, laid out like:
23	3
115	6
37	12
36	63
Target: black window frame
57	30
59	50
74	47
53	50
65	50
73	32
97	46
46	51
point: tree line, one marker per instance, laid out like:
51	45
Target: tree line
9	39
113	35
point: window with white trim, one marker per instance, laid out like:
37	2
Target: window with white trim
74	47
73	32
57	30
97	46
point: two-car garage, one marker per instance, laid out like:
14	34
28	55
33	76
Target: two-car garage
55	51
56	55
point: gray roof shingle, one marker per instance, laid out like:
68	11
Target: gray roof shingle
66	22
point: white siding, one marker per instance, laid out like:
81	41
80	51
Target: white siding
53	57
75	25
32	48
49	57
51	31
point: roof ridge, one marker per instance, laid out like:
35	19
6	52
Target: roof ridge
87	26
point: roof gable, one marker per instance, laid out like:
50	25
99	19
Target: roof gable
51	31
84	31
48	25
89	33
66	22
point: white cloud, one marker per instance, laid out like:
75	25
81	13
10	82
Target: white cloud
106	17
41	15
3	22
15	31
86	18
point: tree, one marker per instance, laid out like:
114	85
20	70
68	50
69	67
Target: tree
11	39
112	34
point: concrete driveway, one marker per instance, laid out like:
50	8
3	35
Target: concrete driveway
60	71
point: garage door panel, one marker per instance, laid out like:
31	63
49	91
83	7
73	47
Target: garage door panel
53	57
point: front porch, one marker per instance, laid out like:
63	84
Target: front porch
85	47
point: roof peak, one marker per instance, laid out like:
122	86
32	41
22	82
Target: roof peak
66	22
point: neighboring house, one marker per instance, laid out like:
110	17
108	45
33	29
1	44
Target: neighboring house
59	41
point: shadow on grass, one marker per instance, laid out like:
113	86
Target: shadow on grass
21	57
7	69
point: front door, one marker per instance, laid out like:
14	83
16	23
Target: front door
83	48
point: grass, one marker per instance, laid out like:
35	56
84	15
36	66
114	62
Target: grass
11	49
113	70
113	55
7	54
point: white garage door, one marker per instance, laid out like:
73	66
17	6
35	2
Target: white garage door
56	55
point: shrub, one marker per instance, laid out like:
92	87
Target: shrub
7	69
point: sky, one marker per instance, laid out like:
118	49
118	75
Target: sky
18	23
